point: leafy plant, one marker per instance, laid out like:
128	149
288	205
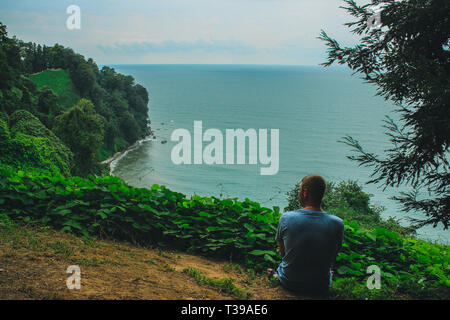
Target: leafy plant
26	144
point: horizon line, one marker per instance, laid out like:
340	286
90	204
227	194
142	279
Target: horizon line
219	64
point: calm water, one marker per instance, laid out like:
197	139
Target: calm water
312	107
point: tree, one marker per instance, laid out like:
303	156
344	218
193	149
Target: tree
9	60
83	78
129	127
82	130
47	100
407	57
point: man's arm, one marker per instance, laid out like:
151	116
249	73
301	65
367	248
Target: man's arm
282	249
339	242
279	238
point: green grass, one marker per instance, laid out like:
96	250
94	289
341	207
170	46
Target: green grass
93	262
230	267
59	81
151	261
61	248
224	285
167	268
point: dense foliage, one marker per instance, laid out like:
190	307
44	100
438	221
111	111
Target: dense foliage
82	130
26	143
121	104
408	58
241	231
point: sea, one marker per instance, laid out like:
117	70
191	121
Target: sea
312	107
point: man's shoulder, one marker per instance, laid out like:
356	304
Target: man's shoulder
300	213
334	218
291	214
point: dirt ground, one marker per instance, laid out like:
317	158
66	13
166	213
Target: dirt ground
33	264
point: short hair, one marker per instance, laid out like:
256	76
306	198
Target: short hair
316	186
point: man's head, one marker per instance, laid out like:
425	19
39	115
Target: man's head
311	190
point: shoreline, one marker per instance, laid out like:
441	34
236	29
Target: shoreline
112	161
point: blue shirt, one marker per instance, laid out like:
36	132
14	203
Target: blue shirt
312	240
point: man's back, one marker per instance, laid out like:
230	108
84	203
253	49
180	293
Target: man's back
311	240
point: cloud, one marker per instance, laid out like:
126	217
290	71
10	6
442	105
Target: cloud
178	31
169	46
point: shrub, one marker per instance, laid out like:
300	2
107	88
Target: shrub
29	144
5	135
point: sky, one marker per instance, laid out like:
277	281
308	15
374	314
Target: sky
184	31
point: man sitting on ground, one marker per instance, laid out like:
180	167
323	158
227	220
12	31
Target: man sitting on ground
309	240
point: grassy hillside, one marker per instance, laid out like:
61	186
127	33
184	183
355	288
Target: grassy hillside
227	229
59	81
34	259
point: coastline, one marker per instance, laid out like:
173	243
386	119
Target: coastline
112	161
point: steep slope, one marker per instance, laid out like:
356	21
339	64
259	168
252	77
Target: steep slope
33	263
59	81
